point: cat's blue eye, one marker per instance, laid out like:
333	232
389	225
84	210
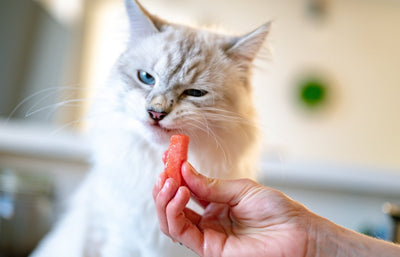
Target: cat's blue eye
195	92
146	78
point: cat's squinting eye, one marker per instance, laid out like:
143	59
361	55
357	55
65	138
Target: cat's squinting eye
146	78
195	92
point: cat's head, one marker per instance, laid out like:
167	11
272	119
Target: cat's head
177	79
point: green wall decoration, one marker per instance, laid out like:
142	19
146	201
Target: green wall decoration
313	92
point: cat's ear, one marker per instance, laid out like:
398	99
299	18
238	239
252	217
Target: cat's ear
142	23
245	48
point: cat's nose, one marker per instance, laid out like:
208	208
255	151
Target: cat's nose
157	116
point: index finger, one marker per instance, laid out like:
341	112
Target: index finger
216	190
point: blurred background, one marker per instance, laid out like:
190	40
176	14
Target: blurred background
327	88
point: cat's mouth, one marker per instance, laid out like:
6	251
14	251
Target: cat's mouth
155	125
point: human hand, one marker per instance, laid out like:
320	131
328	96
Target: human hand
241	217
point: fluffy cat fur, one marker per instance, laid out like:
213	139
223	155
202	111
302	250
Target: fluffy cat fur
113	213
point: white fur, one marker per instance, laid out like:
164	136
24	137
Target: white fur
113	214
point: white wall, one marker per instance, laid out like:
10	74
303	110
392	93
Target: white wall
358	49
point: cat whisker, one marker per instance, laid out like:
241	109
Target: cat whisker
40	101
55	106
68	124
89	116
197	124
206	123
224	113
51	94
225	119
204	126
232	119
219	119
26	99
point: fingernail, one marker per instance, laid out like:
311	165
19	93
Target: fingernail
192	169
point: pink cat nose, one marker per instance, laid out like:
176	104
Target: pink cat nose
157	116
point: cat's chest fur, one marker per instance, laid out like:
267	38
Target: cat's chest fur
118	196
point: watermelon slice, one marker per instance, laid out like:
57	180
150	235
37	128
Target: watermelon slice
175	156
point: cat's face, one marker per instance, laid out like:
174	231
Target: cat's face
175	79
179	81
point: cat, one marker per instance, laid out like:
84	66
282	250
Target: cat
170	79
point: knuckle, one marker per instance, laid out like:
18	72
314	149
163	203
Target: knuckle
174	232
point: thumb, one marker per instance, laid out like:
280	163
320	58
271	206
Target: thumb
216	190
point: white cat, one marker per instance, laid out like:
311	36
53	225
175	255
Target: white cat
171	79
